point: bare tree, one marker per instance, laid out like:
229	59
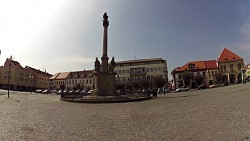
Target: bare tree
159	82
145	84
219	77
187	76
199	79
62	87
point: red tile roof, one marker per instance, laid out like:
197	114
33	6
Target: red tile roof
210	64
246	66
228	55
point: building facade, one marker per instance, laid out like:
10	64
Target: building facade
230	65
16	77
72	80
247	73
203	71
133	72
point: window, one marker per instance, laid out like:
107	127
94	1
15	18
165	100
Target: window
152	69
160	68
225	67
239	66
148	77
231	67
156	69
179	76
90	81
209	73
152	76
191	66
204	73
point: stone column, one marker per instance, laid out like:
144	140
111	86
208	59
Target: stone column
105	44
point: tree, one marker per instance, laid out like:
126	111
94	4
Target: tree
187	76
232	78
219	77
145	84
78	86
199	79
62	87
159	82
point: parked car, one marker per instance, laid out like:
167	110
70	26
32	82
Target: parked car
83	92
77	92
38	91
214	86
65	91
238	82
53	91
71	92
59	92
202	86
45	92
90	92
182	88
225	84
163	90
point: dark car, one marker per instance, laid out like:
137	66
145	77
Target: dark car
225	84
203	86
238	82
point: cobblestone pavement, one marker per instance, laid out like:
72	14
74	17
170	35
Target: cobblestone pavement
214	114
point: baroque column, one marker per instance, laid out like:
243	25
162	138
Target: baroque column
105	43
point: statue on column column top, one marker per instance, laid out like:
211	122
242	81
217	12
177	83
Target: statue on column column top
105	19
105	16
97	65
112	64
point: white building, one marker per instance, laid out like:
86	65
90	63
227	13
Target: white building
133	72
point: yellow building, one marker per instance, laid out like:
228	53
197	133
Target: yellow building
230	65
247	68
14	76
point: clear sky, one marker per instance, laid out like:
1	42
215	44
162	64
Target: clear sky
67	35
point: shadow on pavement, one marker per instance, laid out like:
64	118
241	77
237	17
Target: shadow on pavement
180	96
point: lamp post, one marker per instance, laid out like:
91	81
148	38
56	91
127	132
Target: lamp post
228	78
118	80
31	76
9	81
242	75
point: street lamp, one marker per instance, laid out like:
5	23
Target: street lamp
9	81
228	78
118	80
31	76
242	74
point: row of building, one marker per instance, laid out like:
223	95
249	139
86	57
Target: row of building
130	74
229	65
15	77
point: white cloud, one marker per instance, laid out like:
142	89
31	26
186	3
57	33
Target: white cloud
73	60
243	45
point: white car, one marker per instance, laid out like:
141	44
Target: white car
182	88
90	92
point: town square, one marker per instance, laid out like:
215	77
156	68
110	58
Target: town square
212	114
124	70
